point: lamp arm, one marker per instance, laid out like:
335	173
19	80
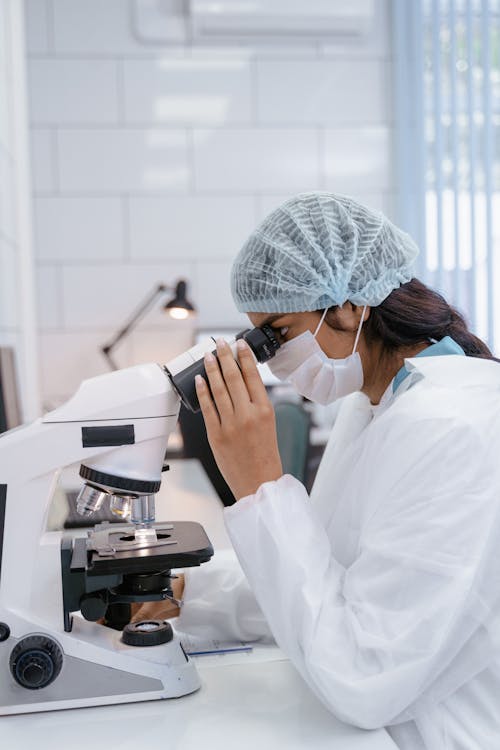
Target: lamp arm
136	316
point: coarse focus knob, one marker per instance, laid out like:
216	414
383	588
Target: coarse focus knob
36	661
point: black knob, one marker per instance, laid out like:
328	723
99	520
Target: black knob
4	631
147	633
93	606
36	661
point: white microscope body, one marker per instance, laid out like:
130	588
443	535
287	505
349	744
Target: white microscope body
116	425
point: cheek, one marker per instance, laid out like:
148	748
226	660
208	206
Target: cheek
335	345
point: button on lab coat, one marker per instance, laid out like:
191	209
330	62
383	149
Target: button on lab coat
383	588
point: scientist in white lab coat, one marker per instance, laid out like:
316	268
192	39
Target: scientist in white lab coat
383	587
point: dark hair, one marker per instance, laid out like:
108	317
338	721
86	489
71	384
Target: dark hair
413	314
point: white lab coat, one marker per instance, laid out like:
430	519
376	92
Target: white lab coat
384	589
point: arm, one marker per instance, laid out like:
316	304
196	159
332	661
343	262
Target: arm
218	602
371	639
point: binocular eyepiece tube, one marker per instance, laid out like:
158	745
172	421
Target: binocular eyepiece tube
183	370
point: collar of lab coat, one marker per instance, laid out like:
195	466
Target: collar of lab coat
443	363
447	346
455	371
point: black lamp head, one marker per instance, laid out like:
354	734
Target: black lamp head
179	306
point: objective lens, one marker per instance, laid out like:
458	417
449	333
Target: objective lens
143	510
121	505
89	500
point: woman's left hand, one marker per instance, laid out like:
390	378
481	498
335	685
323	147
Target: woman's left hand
239	419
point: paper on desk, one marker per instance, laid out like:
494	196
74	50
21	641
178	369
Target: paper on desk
211	652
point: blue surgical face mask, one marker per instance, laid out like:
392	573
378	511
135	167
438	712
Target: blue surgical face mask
303	364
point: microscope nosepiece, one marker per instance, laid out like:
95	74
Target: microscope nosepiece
89	500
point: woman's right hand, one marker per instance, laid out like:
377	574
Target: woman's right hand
160	610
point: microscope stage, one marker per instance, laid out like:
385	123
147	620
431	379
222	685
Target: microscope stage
186	545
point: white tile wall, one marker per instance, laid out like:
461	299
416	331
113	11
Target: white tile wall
69	229
256	159
191	226
49	296
154	161
358	159
110	293
37	14
375	44
68	357
104	161
163	345
314	93
43	167
64	91
9	314
215	305
188	92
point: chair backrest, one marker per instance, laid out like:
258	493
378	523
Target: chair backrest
293	425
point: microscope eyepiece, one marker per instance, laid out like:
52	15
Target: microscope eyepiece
262	341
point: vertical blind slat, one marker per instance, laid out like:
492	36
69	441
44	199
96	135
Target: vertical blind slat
417	29
454	151
472	158
438	135
486	24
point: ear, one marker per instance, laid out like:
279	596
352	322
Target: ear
358	311
349	315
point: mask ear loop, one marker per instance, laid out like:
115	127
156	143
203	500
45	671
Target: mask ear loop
320	322
359	329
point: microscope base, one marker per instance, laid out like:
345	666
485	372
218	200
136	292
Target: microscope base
163	672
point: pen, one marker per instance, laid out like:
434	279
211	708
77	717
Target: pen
219	651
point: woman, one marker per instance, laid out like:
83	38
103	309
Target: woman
384	589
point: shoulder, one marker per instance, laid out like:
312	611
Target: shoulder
455	390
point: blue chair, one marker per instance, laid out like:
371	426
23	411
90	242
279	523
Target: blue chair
293	426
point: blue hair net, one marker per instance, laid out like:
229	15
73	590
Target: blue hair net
318	250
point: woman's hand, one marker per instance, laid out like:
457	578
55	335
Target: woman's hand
160	610
239	419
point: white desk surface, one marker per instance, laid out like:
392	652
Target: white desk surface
251	706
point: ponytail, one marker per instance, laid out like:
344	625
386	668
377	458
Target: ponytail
413	314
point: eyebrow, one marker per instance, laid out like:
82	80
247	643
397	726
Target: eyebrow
271	318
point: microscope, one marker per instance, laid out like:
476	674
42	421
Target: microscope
55	588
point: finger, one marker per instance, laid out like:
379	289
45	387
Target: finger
218	387
255	387
232	376
210	414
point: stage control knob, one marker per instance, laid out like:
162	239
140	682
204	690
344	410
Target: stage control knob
35	661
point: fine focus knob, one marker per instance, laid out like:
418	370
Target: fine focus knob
36	661
147	633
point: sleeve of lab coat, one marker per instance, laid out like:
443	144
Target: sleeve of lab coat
218	602
370	639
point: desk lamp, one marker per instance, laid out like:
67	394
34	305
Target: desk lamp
178	308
